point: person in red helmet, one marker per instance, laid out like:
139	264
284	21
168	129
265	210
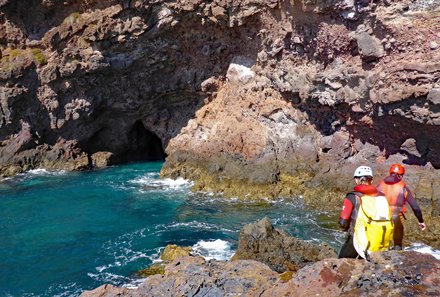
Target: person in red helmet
397	194
363	177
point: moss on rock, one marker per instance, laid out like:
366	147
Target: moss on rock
158	268
173	252
284	185
169	254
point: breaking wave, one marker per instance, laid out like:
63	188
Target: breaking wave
217	249
425	249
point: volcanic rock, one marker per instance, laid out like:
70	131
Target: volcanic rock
401	273
262	242
128	81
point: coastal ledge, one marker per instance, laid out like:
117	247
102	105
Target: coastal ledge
391	273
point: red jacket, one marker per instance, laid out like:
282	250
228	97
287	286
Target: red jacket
348	216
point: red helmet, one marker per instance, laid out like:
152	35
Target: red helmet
397	168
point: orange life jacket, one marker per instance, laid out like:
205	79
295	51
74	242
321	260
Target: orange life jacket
396	195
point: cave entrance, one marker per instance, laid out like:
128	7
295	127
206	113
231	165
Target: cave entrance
144	145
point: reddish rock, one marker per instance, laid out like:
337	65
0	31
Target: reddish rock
389	273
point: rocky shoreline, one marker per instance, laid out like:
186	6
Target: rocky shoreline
308	269
260	98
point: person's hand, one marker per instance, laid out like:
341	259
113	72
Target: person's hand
422	226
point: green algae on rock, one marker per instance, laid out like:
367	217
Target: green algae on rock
169	254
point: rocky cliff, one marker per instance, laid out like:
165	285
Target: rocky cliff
257	98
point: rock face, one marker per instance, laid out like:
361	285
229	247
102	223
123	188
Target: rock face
248	98
262	242
388	274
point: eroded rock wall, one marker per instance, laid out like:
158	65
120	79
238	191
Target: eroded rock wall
115	78
333	87
258	98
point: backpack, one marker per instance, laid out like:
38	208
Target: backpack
374	226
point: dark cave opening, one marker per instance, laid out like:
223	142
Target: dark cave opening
146	145
143	144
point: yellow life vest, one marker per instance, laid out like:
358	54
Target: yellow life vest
374	226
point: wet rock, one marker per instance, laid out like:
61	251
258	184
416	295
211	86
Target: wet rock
101	159
156	268
262	242
169	254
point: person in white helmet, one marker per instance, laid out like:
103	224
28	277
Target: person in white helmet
363	177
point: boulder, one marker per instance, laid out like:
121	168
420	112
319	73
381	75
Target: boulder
262	242
173	252
369	46
169	254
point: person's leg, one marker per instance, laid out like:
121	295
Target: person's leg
347	249
398	232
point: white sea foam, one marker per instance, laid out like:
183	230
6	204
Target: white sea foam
217	249
120	249
107	277
190	225
40	171
153	182
425	249
61	290
134	284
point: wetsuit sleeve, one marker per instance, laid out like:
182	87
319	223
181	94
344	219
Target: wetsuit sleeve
379	187
347	209
414	205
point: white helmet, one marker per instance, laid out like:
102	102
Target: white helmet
363	171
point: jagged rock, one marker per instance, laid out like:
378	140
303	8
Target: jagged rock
101	159
412	147
395	273
262	242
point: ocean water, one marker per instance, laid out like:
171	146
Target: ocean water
63	233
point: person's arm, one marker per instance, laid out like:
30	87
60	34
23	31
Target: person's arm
415	208
379	187
347	208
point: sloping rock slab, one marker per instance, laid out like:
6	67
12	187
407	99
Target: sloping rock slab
388	274
193	276
262	242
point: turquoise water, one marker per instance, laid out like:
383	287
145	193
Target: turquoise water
62	233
